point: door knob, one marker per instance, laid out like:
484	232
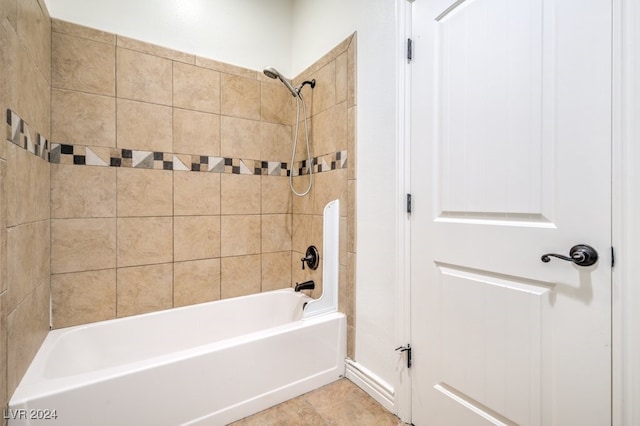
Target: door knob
581	255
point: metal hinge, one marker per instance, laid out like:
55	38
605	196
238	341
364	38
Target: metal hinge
407	349
409	49
408	203
613	258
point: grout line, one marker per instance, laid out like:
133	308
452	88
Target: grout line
173	191
115	92
51	319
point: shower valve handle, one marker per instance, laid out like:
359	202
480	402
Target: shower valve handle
311	258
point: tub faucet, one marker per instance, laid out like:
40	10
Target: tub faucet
307	285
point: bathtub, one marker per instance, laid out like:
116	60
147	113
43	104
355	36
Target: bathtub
206	364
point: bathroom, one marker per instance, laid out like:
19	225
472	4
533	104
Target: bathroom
169	236
63	220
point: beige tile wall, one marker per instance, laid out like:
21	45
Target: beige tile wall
128	240
25	54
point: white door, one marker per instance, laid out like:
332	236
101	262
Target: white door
511	152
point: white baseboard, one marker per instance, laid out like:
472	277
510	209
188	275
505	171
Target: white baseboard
366	380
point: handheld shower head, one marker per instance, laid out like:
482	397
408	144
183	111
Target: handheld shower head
271	72
275	74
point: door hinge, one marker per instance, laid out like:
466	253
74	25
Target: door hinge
409	49
407	349
613	258
408	203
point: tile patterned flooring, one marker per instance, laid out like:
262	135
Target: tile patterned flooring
338	403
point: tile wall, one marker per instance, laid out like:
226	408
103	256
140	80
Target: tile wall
169	175
25	52
166	183
155	199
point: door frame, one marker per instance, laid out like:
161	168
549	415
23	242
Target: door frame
402	385
625	201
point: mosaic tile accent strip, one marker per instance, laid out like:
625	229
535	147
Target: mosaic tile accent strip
96	156
20	134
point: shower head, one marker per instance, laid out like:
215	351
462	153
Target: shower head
271	72
275	74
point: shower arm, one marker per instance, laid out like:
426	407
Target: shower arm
311	83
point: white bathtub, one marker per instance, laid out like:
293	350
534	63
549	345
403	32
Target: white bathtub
207	364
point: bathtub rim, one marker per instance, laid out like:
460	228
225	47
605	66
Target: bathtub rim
287	290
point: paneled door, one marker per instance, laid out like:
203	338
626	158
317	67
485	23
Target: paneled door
511	160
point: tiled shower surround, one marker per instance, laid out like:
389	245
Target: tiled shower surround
136	178
192	201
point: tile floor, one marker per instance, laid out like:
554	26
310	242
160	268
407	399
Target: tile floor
338	403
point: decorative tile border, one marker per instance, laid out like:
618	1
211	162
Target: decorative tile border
19	133
113	157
